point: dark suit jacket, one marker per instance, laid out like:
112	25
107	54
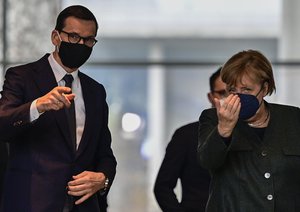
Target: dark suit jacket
180	163
41	160
251	174
3	163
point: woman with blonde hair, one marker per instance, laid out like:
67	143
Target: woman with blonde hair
251	147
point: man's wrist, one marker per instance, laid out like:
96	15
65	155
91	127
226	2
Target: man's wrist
105	188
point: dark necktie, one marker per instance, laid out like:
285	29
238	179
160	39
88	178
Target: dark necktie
68	78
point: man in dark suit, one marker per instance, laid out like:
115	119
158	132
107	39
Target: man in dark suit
60	145
180	163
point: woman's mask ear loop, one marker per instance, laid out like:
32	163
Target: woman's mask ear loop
262	88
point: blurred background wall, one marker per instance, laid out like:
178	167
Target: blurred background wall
155	57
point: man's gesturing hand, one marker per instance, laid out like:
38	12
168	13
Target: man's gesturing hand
56	99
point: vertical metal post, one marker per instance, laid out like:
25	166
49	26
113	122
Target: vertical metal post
156	117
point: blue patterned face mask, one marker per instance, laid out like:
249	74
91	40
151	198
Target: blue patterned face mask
249	106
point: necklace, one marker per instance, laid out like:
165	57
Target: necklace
261	123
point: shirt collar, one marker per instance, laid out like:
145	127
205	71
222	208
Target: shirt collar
59	71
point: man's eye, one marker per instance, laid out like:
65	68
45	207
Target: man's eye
74	36
90	40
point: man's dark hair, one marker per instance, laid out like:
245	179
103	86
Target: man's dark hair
213	78
76	11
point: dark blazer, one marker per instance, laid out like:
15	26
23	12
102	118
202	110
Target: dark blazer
3	163
251	174
41	160
180	163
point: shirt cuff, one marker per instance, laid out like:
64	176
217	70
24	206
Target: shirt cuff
34	113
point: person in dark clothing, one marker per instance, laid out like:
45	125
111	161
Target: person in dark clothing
55	119
180	163
251	147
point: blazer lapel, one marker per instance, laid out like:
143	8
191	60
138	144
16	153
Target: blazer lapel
90	113
44	77
45	80
281	132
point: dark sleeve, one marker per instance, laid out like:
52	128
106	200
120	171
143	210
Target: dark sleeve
106	161
212	150
169	173
102	200
14	111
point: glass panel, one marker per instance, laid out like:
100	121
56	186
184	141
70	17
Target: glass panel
126	94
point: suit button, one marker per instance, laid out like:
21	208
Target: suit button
267	175
270	197
264	153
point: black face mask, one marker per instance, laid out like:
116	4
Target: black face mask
74	55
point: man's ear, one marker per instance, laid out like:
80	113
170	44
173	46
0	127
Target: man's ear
54	38
210	98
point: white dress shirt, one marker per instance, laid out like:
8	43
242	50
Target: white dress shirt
59	73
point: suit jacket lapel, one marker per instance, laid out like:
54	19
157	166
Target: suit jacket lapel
44	76
277	131
45	80
90	112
